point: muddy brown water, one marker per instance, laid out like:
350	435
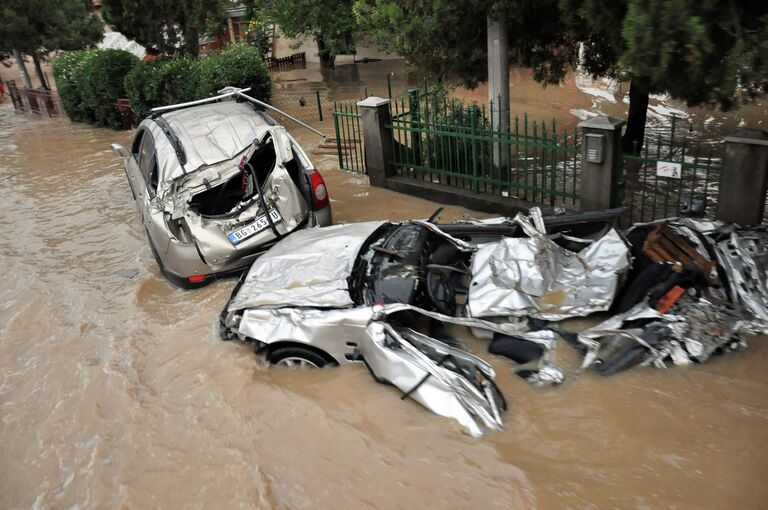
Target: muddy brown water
117	393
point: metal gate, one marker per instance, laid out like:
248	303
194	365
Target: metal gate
671	176
349	137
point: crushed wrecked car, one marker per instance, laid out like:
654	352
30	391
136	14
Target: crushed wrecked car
379	292
216	182
387	294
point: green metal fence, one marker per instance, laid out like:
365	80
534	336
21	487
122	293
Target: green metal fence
349	137
444	141
670	176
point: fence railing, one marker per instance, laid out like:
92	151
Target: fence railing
35	101
297	60
447	142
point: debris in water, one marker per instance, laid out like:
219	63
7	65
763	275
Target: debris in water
130	274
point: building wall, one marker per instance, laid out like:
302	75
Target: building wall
284	46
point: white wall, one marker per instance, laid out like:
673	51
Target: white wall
284	47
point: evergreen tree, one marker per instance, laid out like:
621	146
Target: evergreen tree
38	27
711	52
166	26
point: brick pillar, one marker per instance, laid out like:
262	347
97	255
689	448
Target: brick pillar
744	177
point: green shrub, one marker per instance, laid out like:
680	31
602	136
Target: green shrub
162	82
100	80
65	69
239	65
90	82
140	87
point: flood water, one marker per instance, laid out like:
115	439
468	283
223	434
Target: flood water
117	393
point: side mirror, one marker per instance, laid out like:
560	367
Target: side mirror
120	150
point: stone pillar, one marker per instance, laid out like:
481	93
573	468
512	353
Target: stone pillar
744	177
600	163
377	139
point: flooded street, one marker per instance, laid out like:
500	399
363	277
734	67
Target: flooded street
118	393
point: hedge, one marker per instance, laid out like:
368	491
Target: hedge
90	82
100	79
162	82
178	80
65	69
240	65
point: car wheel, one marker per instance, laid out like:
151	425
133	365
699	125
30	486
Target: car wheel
295	356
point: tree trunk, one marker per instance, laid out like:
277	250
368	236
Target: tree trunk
634	135
22	68
326	59
192	42
39	71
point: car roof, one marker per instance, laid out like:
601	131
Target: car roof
216	132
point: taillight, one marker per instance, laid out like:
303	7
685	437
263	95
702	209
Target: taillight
319	192
197	278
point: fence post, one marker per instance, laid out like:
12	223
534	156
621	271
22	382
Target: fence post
319	105
377	139
744	177
600	163
413	111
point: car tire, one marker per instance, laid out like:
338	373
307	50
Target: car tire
296	356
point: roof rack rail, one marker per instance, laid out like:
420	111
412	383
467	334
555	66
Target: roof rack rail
241	93
229	93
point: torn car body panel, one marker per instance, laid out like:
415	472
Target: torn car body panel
445	380
533	276
744	257
705	315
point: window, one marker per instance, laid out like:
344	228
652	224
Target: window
148	162
137	143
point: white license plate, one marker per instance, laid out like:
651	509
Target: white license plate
259	224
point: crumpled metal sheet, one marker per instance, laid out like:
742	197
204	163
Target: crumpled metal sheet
590	337
744	256
546	372
475	324
280	193
213	133
308	268
396	360
458	243
535	277
697	329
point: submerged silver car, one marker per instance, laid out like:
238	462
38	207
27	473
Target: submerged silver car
217	184
389	294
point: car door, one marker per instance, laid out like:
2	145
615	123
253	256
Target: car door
133	173
152	213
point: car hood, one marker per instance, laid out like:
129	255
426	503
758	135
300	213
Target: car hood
309	268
